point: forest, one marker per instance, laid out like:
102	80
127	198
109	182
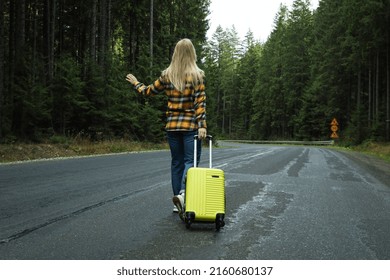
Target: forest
63	65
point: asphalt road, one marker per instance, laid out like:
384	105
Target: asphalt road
294	203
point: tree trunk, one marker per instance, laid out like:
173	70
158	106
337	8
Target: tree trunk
388	93
1	66
376	112
223	113
35	15
109	29
171	25
92	41
134	35
11	53
102	32
52	36
358	102
48	38
19	44
151	39
20	21
369	96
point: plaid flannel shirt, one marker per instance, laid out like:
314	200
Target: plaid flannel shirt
186	110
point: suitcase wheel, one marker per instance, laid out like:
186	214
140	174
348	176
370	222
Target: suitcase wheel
189	218
219	221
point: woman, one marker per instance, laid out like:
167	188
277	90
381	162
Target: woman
183	83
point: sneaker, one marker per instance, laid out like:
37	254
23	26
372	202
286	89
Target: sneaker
175	210
178	200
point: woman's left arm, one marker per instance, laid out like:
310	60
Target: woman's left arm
200	106
156	88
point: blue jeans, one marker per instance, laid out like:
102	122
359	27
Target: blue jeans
181	144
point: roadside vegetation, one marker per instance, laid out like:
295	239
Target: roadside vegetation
380	150
60	147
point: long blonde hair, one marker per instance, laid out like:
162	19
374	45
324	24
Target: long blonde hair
183	67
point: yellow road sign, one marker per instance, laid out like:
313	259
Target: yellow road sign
334	122
334	127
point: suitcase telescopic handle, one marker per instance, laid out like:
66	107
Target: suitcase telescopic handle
196	137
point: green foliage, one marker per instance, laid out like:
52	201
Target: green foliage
315	66
65	73
69	103
63	70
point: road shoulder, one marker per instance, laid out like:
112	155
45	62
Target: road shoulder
379	167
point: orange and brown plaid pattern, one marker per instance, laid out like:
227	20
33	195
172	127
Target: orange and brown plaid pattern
186	110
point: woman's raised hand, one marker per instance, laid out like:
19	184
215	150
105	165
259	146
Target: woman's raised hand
131	79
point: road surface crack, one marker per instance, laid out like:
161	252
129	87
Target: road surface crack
27	231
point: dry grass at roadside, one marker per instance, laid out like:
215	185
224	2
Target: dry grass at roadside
23	152
381	150
63	147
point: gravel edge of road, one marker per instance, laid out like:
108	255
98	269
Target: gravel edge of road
379	167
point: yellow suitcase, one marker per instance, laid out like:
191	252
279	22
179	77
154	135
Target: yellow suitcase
205	193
